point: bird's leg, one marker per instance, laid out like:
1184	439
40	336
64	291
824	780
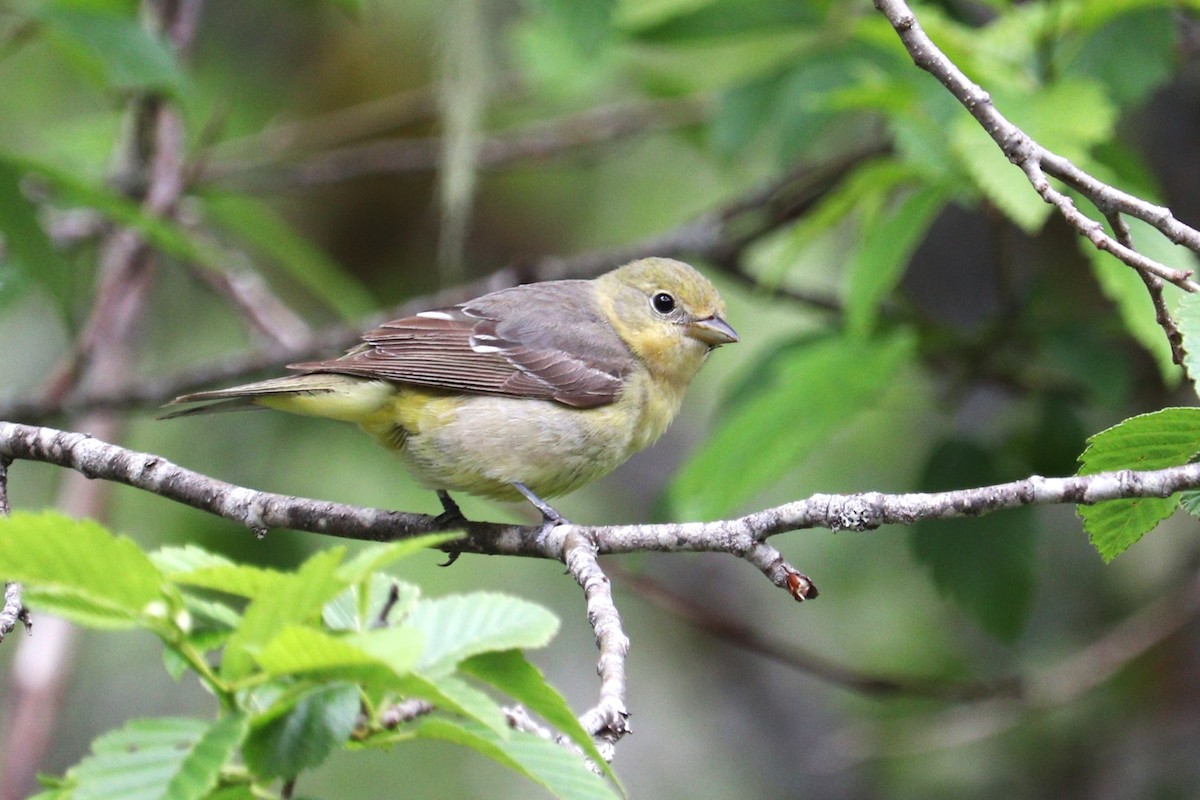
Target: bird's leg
550	516
451	513
450	517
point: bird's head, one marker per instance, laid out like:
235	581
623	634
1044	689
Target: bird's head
669	314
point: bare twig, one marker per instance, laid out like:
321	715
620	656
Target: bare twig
608	721
405	711
1037	163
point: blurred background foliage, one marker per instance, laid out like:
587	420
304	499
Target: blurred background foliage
926	323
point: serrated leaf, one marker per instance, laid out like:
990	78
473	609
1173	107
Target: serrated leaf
984	565
285	742
1161	439
194	566
379	658
258	225
562	772
461	626
350	611
116	50
1187	316
808	392
1125	288
464	699
242	580
886	247
295	598
201	768
78	569
167	758
510	672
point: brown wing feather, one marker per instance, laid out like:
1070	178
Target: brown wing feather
515	342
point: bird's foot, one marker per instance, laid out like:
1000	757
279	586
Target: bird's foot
451	514
451	517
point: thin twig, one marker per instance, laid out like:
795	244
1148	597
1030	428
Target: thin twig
608	720
1037	163
1154	285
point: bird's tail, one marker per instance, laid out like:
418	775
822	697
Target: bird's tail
316	394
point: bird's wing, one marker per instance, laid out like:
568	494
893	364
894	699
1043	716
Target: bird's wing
547	340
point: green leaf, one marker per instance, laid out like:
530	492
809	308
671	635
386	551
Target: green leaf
454	694
78	569
295	598
1187	316
886	247
1189	501
257	224
201	768
1161	439
804	394
985	565
167	758
116	50
378	658
194	566
461	626
510	672
302	731
351	611
1125	288
554	767
26	246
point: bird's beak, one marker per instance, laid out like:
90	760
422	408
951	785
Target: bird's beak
712	331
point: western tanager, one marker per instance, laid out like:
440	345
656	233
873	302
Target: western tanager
531	391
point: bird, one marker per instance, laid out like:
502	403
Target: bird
526	392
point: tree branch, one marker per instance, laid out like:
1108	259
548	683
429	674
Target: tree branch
608	721
740	536
1037	162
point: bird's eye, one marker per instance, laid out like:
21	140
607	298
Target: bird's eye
663	303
